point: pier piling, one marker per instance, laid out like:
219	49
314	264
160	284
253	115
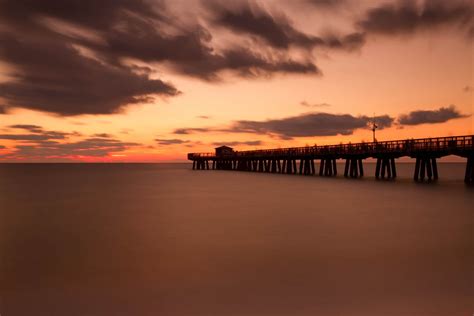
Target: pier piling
385	165
426	167
469	175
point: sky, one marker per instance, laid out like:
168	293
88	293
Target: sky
151	80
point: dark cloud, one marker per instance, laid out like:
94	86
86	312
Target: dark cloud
405	17
254	20
244	63
30	137
103	135
204	117
97	57
174	141
326	3
83	12
36	133
189	145
312	124
185	131
91	147
468	89
43	144
237	143
50	150
440	115
276	30
314	105
348	42
190	51
305	125
28	127
80	69
2	147
57	78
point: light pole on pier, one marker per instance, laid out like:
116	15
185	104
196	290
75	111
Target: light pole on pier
374	127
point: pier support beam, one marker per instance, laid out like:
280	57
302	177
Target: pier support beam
274	166
289	166
254	165
201	164
469	175
354	168
306	166
426	167
260	165
385	166
267	165
328	167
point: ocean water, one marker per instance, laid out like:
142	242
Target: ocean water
162	239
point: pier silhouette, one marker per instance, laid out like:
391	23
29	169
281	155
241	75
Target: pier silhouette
302	160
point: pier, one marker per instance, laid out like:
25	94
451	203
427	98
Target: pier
303	160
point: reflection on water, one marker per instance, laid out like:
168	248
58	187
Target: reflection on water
165	240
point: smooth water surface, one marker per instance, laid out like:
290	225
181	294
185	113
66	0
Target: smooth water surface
161	239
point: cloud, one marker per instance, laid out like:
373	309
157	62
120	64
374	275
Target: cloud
43	144
2	147
204	117
56	78
28	137
312	124
238	143
252	19
276	30
36	133
174	141
314	105
185	131
91	147
441	115
326	3
82	52
244	63
28	127
305	125
98	57
406	17
103	135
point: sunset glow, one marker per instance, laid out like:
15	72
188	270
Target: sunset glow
149	81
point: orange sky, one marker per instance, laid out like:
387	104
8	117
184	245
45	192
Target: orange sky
390	74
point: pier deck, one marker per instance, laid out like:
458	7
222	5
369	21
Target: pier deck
426	151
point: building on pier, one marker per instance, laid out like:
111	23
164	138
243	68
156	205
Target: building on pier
224	150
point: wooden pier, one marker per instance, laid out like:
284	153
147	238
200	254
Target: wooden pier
302	160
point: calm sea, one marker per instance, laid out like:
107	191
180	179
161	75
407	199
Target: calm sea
161	239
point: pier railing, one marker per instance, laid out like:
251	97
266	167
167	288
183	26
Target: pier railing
399	147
